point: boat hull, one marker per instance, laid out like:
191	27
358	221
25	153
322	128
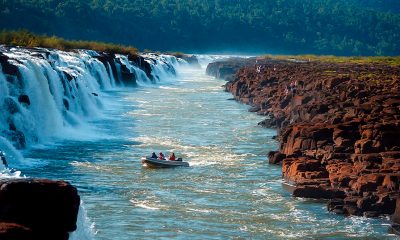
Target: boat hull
155	163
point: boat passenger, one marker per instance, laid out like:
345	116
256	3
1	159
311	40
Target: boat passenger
153	155
172	157
161	156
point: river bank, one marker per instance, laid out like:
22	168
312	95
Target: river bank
338	127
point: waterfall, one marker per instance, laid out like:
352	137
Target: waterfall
45	93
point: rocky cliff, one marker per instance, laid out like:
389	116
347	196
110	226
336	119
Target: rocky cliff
338	127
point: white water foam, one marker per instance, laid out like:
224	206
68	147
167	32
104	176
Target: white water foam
86	228
66	91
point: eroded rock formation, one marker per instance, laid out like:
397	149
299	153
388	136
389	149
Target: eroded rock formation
37	209
338	127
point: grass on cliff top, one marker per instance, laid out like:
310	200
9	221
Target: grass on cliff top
25	38
393	61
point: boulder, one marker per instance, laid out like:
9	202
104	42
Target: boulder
24	99
7	67
47	209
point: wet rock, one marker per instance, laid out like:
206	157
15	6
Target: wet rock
66	103
142	64
254	109
396	215
24	99
227	68
39	208
7	67
275	157
317	192
191	59
68	76
268	123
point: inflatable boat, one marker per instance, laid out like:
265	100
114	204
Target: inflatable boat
156	163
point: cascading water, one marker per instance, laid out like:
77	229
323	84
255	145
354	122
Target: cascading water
47	94
53	91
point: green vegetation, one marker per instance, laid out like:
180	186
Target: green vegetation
26	39
393	61
338	27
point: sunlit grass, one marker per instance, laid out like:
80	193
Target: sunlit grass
24	38
394	61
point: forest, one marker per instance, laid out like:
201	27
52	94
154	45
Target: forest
339	27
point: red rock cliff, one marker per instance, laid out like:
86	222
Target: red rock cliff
338	128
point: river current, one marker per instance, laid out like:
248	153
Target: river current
229	191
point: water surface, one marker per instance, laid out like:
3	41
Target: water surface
229	192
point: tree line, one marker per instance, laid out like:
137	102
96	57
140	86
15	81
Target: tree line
340	27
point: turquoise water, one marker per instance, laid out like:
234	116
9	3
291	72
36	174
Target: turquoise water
229	192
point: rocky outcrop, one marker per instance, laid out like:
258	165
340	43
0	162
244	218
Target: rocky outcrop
226	69
190	59
37	209
338	126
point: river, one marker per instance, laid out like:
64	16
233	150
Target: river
228	192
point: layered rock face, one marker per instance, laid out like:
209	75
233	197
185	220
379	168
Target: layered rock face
338	128
37	209
227	68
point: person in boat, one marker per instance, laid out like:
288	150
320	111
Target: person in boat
3	159
172	157
161	156
153	155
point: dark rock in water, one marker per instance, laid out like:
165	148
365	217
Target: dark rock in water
109	62
317	192
68	75
371	214
142	64
127	77
39	208
226	69
7	67
276	157
268	123
191	59
24	99
396	215
66	103
254	109
395	229
11	105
